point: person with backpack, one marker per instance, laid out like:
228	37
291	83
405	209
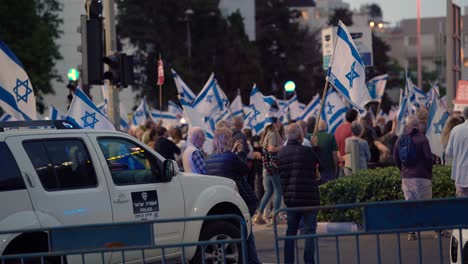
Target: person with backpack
413	156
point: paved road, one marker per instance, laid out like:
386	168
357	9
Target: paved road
368	248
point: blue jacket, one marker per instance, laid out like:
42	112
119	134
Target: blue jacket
228	165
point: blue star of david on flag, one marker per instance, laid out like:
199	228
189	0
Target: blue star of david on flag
255	112
439	126
330	108
351	75
88	116
26	91
209	98
249	124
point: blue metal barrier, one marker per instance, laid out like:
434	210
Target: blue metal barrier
84	240
378	240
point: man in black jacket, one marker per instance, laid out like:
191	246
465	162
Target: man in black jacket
297	169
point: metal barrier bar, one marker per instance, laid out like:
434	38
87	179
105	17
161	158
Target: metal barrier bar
85	251
396	217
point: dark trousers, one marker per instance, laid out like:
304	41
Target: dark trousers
310	227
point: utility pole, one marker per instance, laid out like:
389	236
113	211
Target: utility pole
111	47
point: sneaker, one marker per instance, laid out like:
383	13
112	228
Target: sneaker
258	219
411	236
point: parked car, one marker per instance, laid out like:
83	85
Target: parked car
67	177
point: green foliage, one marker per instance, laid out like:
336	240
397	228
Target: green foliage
218	45
30	28
382	184
287	51
342	14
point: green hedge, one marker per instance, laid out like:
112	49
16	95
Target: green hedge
382	184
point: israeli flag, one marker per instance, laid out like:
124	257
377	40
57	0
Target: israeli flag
141	114
6	117
269	100
236	106
183	89
434	92
174	108
16	91
194	118
55	114
257	117
347	71
376	87
405	111
124	125
211	98
302	106
168	119
333	110
103	107
438	116
84	113
417	97
290	109
311	109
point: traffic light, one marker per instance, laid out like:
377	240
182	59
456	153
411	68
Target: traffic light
92	43
120	69
115	68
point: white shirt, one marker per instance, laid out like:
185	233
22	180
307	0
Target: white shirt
457	149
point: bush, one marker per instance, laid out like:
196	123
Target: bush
381	184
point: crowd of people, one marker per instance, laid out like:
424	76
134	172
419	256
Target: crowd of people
284	166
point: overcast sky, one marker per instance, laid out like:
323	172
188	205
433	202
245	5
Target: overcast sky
396	10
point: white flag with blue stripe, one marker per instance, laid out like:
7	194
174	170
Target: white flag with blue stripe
236	106
55	113
183	89
141	114
16	91
376	87
258	115
168	119
6	117
194	118
86	114
211	98
290	110
333	111
438	116
347	71
311	109
404	111
174	108
417	97
434	92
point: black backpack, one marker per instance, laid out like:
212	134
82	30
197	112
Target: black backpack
407	150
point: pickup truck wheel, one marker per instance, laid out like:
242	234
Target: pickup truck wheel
219	253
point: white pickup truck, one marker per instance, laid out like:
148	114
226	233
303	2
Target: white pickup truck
52	178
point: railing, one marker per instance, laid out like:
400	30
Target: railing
99	243
384	231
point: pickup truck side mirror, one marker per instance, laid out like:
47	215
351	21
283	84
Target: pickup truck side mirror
170	170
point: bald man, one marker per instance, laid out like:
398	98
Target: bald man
328	153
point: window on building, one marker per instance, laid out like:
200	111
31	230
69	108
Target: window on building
61	164
10	176
129	163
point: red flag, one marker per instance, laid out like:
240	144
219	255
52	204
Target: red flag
160	72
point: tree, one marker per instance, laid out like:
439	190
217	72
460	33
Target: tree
287	51
30	28
218	45
342	14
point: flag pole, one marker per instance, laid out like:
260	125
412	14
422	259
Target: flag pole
160	88
325	89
